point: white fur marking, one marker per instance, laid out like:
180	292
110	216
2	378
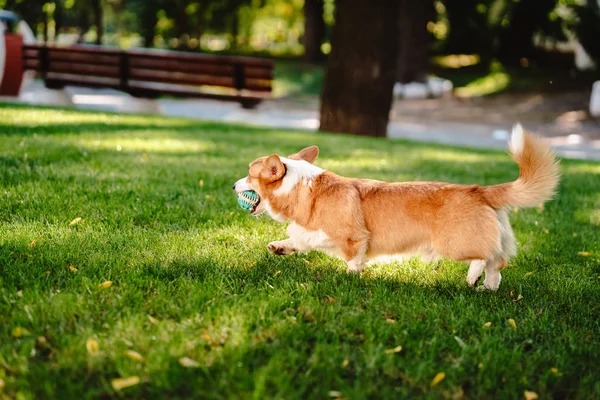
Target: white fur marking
297	171
276	216
313	239
242	185
517	140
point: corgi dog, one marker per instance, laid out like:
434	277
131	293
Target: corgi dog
361	219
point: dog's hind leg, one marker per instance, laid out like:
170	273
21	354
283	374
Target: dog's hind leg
475	271
355	255
492	273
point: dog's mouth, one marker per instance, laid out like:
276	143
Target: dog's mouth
254	210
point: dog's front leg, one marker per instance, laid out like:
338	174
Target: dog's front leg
300	240
282	247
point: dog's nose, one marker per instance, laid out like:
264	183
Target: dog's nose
233	187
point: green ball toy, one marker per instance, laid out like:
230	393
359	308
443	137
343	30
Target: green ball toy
248	199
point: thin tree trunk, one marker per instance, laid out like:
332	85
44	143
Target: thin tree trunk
314	30
414	40
357	91
58	19
98	20
148	22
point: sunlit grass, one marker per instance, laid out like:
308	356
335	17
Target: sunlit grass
210	314
492	83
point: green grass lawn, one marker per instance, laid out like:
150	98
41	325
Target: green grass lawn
197	308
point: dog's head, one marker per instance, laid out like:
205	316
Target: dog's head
274	175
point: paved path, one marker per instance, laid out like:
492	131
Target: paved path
273	114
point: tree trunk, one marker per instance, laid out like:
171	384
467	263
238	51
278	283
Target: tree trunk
414	40
314	30
98	20
357	91
148	22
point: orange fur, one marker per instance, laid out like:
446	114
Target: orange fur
358	219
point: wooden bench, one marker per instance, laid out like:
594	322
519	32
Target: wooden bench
150	74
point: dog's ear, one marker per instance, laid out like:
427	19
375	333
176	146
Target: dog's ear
309	154
273	169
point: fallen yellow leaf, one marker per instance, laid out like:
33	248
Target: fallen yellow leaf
92	346
345	363
72	269
152	320
33	243
20	293
390	321
438	378
208	197
530	395
529	273
546	231
188	362
42	341
574	234
487	324
201	182
396	349
554	371
123	383
335	393
519	298
516	210
512	323
75	221
105	285
18	332
584	253
134	355
540	209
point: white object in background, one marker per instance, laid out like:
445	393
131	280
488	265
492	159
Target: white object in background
595	100
47	97
416	91
398	90
438	86
26	32
28	38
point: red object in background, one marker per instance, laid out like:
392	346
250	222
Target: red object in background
10	84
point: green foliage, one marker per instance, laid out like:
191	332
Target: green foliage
210	314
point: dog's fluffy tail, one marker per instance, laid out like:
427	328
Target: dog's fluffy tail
539	175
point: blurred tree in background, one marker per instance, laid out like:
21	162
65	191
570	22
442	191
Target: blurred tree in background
363	43
504	30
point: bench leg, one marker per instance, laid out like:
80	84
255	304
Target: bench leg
249	104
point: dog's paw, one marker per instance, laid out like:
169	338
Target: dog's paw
484	288
280	249
473	280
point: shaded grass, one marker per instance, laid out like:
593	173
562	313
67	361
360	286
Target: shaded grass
160	221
